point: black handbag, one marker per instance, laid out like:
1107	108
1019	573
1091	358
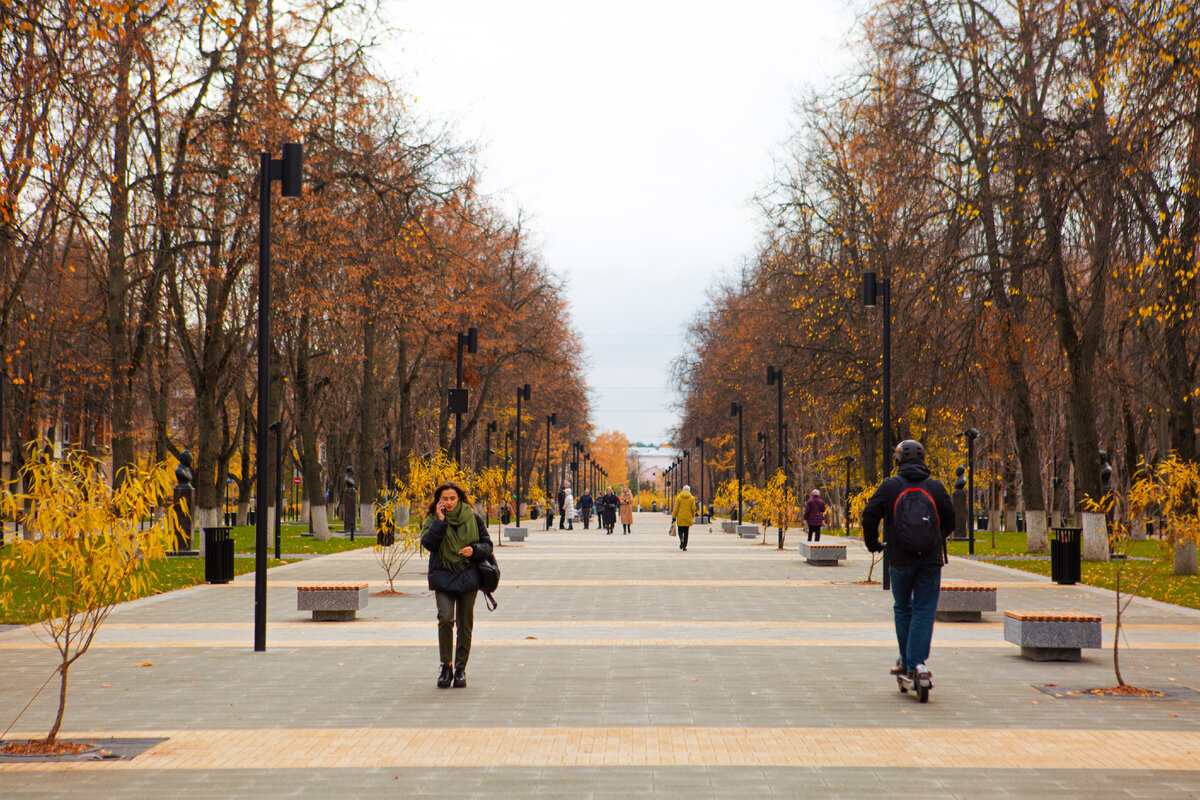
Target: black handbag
489	579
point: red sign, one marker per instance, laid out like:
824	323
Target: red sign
296	481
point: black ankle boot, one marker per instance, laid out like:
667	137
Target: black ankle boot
460	679
445	677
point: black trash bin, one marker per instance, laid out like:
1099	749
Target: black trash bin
1066	555
218	555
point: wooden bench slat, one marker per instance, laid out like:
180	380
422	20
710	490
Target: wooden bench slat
332	587
1051	616
966	586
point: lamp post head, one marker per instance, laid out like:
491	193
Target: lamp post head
292	179
773	375
553	418
472	340
387	448
699	442
491	426
275	427
734	409
870	288
523	393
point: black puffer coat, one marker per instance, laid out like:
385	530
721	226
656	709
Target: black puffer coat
879	507
443	579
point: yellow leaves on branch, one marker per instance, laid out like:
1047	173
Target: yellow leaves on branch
87	546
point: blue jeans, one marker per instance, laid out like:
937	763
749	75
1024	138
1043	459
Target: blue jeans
915	589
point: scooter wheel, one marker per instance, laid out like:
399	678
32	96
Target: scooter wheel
901	686
922	693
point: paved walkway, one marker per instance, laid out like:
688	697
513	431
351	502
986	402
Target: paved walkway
615	666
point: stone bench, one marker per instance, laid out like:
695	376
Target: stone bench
729	526
516	534
965	601
332	602
747	531
823	554
1052	635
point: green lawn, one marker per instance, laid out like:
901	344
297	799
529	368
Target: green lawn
293	542
169	574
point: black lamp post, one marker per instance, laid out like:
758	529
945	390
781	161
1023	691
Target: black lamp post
551	419
288	171
849	460
775	378
971	435
879	292
735	410
522	394
277	429
700	444
459	403
687	454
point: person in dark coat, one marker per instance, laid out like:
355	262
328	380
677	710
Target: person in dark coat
916	579
609	504
586	504
562	508
457	540
814	515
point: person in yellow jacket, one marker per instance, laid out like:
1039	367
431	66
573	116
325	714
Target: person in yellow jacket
684	513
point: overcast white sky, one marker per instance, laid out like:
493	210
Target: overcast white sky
633	135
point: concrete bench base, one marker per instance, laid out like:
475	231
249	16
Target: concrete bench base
1052	635
965	601
516	534
823	555
747	531
332	602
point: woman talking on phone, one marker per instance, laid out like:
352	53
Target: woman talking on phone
457	540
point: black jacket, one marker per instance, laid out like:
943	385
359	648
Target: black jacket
879	507
585	502
443	579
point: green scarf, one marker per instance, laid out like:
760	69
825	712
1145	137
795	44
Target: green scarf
461	530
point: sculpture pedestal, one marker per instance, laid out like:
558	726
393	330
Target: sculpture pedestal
349	509
960	515
184	510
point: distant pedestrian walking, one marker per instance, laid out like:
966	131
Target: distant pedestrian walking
626	511
568	509
457	540
609	503
814	515
684	513
562	507
586	504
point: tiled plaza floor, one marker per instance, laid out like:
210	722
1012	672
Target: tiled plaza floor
615	666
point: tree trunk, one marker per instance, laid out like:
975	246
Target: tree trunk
117	280
306	425
368	433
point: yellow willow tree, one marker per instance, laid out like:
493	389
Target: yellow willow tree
777	503
88	551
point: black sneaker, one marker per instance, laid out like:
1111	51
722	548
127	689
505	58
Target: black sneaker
445	677
460	679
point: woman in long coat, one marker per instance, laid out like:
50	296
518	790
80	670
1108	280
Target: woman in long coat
608	510
626	511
